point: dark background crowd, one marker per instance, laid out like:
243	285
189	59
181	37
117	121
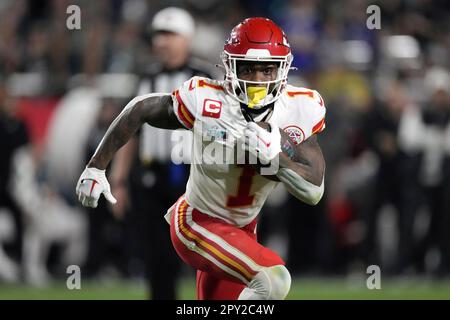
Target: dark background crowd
386	142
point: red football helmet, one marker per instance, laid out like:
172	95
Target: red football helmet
256	39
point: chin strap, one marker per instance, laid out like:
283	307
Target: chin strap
247	113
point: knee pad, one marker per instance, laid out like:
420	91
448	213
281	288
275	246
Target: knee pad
272	283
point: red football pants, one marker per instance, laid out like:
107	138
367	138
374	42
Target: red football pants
225	256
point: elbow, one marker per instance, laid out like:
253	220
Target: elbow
315	200
310	194
314	193
313	197
300	188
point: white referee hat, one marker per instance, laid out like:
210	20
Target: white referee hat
174	20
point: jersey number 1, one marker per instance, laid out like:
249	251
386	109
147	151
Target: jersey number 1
243	197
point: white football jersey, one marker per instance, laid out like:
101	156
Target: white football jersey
218	185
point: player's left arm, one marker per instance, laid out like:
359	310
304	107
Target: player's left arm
303	174
301	166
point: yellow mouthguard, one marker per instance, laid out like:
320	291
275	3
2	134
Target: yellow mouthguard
255	95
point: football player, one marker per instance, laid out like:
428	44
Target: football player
213	225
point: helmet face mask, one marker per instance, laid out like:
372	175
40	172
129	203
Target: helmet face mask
237	87
257	41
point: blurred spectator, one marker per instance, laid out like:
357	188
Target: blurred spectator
301	22
11	15
48	221
37	51
396	177
71	124
13	136
122	57
9	269
394	181
426	131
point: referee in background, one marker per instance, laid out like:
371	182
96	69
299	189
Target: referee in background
144	165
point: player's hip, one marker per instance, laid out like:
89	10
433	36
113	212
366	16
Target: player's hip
243	221
216	206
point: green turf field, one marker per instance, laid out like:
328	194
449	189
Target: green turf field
301	289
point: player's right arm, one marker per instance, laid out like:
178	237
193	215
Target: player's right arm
155	109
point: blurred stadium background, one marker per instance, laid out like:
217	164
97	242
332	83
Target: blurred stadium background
387	144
